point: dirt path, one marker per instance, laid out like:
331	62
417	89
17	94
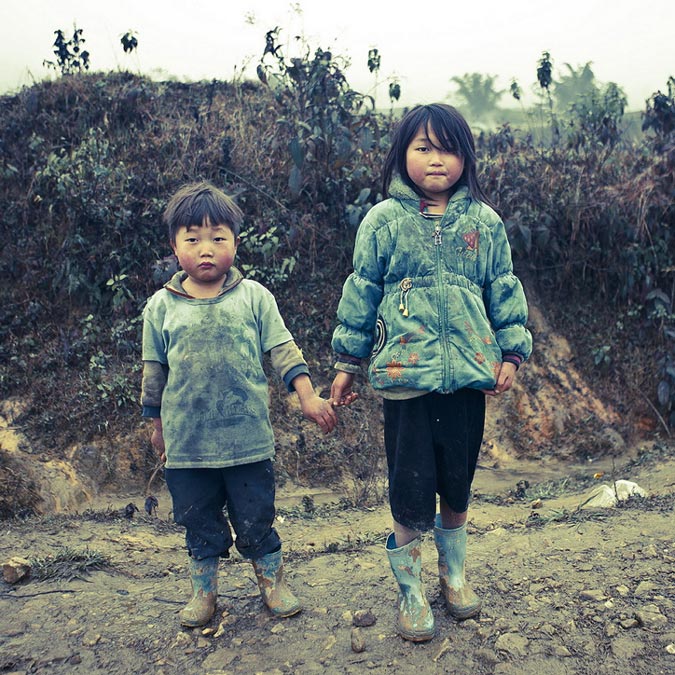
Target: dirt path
565	591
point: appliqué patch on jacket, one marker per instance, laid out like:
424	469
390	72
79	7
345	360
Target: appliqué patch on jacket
380	336
470	248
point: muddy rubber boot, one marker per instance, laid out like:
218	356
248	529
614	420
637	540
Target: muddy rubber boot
275	592
204	577
415	618
462	602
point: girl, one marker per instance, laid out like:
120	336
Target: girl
435	306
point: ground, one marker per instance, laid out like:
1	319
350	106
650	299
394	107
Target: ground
565	590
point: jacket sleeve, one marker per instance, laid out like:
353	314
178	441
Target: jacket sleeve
504	298
361	296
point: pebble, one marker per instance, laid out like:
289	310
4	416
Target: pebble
364	618
358	641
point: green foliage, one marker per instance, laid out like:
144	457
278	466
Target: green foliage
129	42
70	57
575	84
76	197
328	129
479	93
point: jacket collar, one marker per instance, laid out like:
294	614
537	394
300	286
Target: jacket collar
400	190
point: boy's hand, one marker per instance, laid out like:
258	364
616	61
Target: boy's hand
341	390
157	440
320	411
507	374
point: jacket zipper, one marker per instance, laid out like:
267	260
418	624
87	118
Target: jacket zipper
448	374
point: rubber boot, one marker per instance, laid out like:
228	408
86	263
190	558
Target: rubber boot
275	592
204	577
462	602
415	618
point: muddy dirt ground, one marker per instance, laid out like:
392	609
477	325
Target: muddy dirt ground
566	590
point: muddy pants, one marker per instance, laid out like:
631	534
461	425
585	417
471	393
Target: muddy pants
246	491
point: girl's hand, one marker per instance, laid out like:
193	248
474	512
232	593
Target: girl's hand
341	390
507	374
320	411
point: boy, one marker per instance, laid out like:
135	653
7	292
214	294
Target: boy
204	336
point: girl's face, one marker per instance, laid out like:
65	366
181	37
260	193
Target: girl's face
434	170
206	253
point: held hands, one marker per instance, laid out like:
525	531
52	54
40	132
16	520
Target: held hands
319	410
341	390
505	378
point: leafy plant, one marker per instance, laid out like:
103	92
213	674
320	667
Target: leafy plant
70	57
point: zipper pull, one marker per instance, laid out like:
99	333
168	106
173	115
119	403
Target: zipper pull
438	236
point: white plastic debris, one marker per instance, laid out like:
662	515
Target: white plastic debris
607	496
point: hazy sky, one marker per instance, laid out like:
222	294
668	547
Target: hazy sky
424	46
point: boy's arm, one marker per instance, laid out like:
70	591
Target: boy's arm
152	386
288	361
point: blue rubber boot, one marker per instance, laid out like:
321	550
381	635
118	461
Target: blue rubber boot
275	592
204	577
462	602
415	618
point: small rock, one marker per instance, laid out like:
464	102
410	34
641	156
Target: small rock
364	618
670	649
629	623
593	594
513	644
91	639
15	569
644	588
650	616
358	641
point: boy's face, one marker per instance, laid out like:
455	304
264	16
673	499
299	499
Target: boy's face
206	253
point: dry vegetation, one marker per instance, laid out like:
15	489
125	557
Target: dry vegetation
88	161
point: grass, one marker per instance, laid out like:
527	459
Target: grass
68	564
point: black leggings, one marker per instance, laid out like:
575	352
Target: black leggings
432	445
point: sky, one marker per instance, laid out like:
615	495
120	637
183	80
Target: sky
422	45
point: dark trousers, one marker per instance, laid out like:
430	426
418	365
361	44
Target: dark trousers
200	497
432	445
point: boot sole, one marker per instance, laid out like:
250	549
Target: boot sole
416	638
285	615
465	613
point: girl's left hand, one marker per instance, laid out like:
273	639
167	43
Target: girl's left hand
507	374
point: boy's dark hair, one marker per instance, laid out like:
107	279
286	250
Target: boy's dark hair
454	135
196	204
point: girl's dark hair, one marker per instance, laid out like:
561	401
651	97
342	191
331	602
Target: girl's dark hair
200	203
453	134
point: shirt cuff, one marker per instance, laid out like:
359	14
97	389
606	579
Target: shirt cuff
151	411
512	357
